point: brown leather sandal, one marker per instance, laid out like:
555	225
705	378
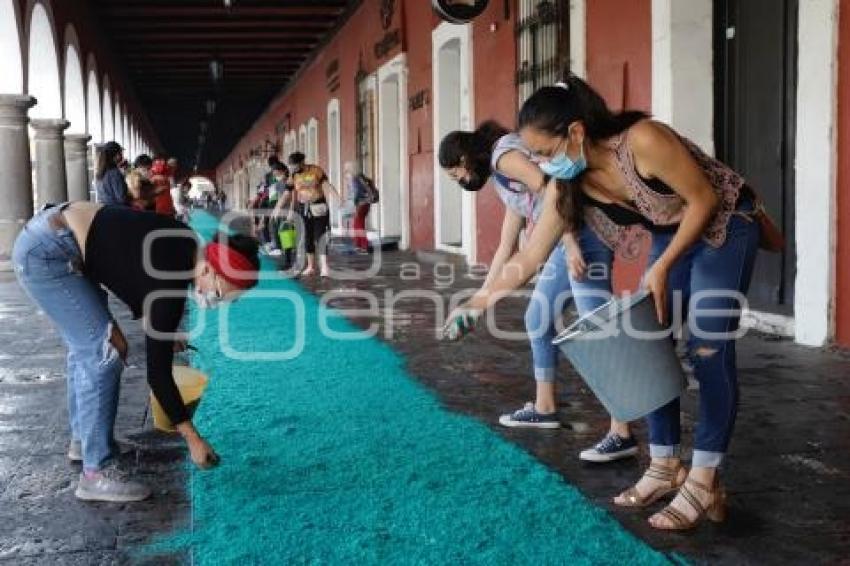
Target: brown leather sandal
715	511
673	476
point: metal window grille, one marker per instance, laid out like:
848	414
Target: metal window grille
543	41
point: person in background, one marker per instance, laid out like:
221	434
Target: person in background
109	181
63	259
142	164
363	194
280	195
163	204
141	191
311	190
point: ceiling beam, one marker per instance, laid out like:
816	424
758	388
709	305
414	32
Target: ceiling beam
224	57
237	12
184	37
307	25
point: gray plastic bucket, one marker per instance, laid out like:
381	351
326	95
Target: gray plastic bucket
631	375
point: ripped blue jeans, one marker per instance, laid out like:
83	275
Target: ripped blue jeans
554	291
708	286
48	264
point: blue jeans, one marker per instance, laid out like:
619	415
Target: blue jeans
554	291
48	264
694	284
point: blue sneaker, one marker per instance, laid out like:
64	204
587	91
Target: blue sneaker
612	447
528	417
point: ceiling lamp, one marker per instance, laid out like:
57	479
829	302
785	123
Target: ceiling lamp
228	4
216	70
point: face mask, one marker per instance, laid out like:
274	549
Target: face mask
477	178
208	300
562	167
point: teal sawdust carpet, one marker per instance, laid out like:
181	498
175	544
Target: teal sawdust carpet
340	456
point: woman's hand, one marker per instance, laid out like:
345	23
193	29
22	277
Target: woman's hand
576	265
655	281
200	451
119	341
461	322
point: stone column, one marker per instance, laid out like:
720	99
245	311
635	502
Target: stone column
15	171
77	165
51	183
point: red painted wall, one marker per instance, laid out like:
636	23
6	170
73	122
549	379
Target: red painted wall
842	284
494	48
494	62
619	66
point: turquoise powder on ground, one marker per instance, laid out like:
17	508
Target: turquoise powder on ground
340	456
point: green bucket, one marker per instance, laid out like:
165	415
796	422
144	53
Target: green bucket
287	237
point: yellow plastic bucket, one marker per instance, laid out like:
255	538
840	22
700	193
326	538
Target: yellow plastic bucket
191	384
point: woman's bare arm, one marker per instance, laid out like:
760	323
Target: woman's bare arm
524	264
511	227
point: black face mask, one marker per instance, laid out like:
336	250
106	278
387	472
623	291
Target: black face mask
477	178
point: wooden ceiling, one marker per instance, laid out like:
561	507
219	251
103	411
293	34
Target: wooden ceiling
167	46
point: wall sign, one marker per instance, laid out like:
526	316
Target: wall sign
419	100
390	41
459	11
387	11
332	75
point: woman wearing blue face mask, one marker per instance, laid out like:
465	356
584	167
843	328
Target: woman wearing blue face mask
521	180
640	175
63	259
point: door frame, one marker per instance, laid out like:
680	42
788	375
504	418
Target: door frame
441	35
396	67
335	173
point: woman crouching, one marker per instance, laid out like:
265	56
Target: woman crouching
64	258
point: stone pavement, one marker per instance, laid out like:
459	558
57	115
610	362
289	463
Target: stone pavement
788	473
41	522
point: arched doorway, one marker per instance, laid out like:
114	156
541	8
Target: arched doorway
108	116
75	97
392	151
12	77
43	65
95	116
453	208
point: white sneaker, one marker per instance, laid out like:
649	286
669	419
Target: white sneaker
111	484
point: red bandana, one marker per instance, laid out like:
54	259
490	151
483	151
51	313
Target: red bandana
231	265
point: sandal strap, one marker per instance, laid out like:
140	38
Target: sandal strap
692	500
676	517
702	486
662	473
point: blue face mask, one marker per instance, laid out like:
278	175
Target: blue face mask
562	167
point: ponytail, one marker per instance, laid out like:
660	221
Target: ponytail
553	109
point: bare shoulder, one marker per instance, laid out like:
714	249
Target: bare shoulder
648	136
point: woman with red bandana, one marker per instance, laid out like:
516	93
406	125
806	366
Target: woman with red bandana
64	257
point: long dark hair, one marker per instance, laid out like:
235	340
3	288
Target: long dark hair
552	110
106	159
473	149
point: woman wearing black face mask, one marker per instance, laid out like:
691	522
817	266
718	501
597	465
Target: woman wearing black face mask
472	158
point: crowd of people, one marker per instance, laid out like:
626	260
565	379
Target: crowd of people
297	199
580	183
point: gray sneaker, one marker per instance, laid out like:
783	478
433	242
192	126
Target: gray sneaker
75	451
111	484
